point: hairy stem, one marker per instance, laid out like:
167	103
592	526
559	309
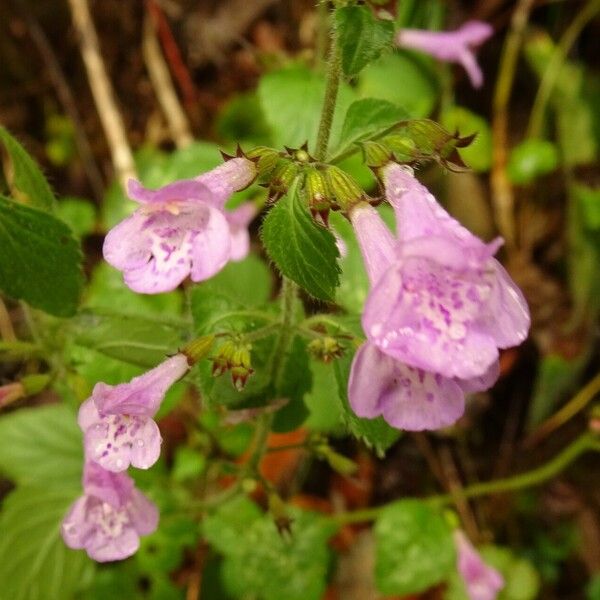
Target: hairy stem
331	90
524	480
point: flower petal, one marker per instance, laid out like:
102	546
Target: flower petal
238	220
128	245
482	581
506	315
145	448
143	394
185	189
232	176
407	398
106	548
211	248
143	513
483	382
113	488
74	529
425	315
377	244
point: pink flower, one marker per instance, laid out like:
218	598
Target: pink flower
445	305
180	229
108	520
439	308
482	582
117	420
450	46
238	220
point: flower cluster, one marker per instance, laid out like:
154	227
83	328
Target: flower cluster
439	310
179	230
119	431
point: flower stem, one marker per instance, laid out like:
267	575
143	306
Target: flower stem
331	90
528	479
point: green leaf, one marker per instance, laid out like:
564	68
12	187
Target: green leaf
366	118
296	381
136	340
291	100
79	214
41	446
414	548
402	79
264	563
241	120
375	433
323	402
477	156
40	261
361	37
249	279
27	178
107	291
301	249
35	564
531	159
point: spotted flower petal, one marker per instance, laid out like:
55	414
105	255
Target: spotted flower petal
109	518
117	420
406	397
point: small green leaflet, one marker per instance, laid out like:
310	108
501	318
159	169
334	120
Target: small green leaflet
301	249
414	548
27	178
40	260
361	37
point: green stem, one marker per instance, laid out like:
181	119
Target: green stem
555	64
329	101
524	480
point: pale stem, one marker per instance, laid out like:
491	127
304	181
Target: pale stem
102	91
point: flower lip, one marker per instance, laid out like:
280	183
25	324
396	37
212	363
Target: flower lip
179	191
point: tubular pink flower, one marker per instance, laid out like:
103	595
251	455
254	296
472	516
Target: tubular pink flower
180	229
108	520
445	305
238	220
482	581
405	394
450	46
117	420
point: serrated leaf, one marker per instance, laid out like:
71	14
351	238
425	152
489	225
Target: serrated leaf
414	548
291	100
261	562
136	340
35	564
301	249
403	79
361	37
367	118
41	446
26	176
40	261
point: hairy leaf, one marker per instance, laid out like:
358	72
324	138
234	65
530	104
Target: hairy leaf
361	37
301	249
40	261
29	181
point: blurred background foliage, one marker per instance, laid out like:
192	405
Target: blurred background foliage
251	72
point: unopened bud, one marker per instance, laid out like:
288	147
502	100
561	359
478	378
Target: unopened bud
339	463
235	357
282	178
403	147
325	349
318	193
375	154
344	188
198	349
34	384
265	158
279	512
11	392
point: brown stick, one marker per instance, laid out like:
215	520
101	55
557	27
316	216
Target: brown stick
102	90
163	87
